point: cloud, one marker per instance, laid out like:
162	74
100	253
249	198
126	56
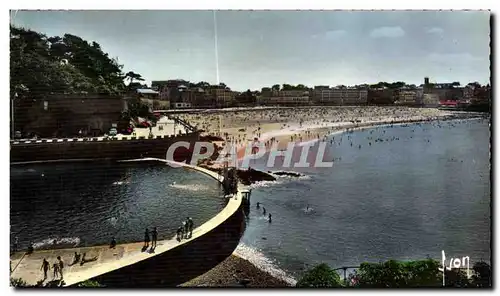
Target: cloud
335	34
387	32
435	30
453	58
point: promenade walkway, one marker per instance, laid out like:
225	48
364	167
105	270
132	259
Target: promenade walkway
169	128
27	266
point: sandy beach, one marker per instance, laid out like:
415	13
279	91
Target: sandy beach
281	126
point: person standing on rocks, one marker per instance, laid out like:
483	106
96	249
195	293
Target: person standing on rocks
45	267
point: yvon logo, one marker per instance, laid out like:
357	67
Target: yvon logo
456	263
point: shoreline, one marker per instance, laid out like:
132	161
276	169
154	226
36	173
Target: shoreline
236	271
209	278
283	139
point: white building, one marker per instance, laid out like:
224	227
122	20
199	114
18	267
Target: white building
341	96
286	97
431	100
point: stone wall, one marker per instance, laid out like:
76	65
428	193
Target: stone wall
99	148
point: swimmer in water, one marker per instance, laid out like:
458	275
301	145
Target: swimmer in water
264	210
258	205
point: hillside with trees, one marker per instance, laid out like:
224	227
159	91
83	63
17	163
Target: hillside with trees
42	65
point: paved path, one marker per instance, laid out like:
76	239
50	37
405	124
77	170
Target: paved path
27	267
168	125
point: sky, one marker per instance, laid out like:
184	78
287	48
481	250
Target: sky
254	49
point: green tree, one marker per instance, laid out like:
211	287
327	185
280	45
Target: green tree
137	108
396	85
407	274
482	275
223	85
321	276
275	87
18	283
89	284
131	76
474	84
203	84
42	66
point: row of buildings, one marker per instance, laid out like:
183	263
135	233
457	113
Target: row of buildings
318	95
66	115
183	94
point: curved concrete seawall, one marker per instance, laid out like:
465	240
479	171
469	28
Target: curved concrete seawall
171	264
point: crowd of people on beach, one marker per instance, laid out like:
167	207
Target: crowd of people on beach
282	125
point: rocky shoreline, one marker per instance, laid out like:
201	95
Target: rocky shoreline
236	272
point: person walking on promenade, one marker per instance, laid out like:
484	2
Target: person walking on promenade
45	267
179	233
61	266
185	226
190	226
14	246
154	237
146	238
113	243
55	267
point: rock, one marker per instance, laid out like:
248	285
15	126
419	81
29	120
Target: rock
291	174
250	176
244	282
